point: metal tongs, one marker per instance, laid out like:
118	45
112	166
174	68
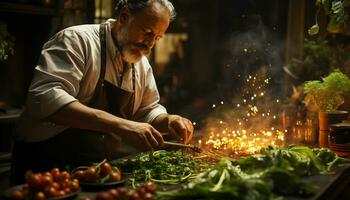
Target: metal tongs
189	146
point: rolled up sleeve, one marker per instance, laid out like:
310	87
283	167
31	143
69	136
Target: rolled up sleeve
150	107
58	74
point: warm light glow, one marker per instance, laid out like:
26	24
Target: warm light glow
249	127
243	142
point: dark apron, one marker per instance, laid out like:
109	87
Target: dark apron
74	146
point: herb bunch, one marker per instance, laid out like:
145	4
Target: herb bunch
273	172
162	167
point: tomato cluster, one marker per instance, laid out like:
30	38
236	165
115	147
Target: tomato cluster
145	192
101	173
45	185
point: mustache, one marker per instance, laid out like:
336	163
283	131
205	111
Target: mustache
142	47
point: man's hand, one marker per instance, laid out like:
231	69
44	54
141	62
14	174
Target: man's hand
77	115
143	135
179	127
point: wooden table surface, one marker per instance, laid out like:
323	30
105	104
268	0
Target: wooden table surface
333	186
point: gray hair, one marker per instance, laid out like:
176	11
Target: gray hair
137	5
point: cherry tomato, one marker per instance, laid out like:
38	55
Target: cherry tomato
114	177
55	170
78	174
67	190
46	180
105	168
75	185
148	196
47	174
132	194
56	175
39	196
35	181
114	193
142	191
91	175
47	190
55	185
122	191
103	196
53	192
151	187
66	183
17	195
85	198
60	193
65	175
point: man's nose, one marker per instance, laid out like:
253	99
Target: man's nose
150	42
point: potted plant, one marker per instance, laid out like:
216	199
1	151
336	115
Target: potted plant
337	13
327	95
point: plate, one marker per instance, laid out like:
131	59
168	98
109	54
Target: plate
7	193
101	186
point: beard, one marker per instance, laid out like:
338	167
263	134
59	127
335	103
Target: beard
131	52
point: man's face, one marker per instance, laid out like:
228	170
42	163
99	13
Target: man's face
139	32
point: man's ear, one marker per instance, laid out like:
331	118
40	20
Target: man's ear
124	15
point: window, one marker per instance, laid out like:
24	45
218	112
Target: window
103	10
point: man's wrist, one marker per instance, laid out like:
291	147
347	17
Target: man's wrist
161	122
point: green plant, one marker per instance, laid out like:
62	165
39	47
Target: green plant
6	42
336	10
322	57
329	93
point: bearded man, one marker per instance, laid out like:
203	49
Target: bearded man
93	94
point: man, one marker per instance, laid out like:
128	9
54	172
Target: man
93	94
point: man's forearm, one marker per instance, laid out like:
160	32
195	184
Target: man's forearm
161	123
77	115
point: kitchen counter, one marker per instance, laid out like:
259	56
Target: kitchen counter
333	186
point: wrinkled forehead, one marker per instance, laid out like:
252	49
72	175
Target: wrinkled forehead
154	15
155	10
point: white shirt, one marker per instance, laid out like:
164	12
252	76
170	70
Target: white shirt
68	70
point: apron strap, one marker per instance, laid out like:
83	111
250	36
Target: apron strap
103	45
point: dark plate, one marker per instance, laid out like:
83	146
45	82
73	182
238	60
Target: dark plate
7	193
102	186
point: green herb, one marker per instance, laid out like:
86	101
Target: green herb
273	172
163	167
223	181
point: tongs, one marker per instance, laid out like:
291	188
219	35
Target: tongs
189	146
